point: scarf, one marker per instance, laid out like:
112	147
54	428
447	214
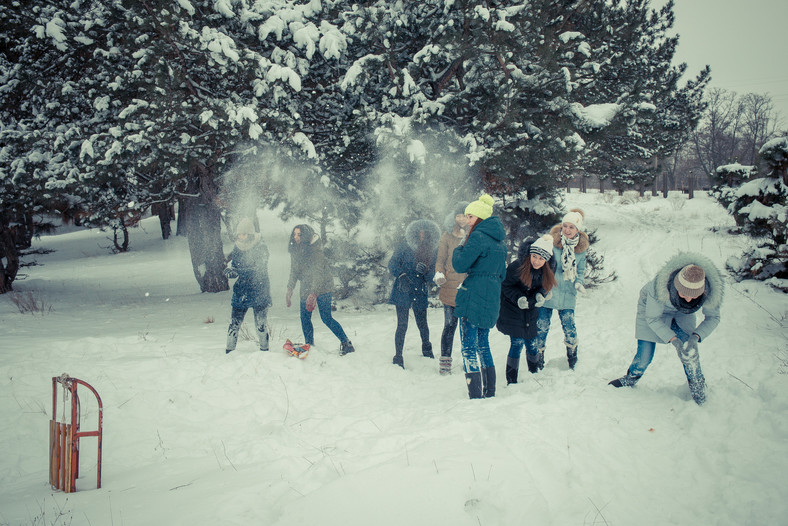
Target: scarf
568	260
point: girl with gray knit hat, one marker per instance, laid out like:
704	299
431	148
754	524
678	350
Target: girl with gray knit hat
666	310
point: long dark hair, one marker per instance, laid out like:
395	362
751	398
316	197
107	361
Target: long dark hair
306	238
548	277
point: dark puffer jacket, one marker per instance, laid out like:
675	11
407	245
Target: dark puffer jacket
410	286
483	258
512	320
252	288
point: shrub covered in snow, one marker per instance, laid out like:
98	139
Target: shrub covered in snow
760	207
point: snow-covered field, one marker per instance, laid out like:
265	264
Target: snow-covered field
196	437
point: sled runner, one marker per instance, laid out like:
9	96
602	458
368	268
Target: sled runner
299	350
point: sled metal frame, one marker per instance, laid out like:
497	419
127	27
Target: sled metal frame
64	436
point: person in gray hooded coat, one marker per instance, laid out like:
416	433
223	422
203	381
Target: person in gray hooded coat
666	314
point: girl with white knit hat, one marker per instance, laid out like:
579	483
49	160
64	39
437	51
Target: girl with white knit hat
570	243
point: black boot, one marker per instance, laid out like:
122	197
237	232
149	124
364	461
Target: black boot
426	350
571	355
512	366
628	380
398	360
533	367
488	375
474	381
346	348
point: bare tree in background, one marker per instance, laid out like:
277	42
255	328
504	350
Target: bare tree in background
759	124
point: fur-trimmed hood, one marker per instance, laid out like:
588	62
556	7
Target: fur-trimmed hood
714	283
432	234
582	245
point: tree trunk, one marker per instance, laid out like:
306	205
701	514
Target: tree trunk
691	185
202	222
9	260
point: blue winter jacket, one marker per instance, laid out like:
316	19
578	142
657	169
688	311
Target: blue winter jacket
410	286
252	288
483	258
658	303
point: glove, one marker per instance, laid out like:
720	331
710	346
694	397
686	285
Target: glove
579	287
311	302
421	268
289	297
404	284
439	278
676	342
540	299
522	302
691	348
230	273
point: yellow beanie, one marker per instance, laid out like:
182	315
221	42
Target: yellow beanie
481	208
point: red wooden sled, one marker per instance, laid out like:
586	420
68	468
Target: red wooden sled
64	436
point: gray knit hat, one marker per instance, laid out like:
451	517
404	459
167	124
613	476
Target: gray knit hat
690	281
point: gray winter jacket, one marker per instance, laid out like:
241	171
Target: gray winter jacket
656	311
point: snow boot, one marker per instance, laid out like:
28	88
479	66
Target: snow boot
474	381
512	367
571	355
426	350
398	360
445	365
488	376
536	365
346	348
228	351
628	380
697	389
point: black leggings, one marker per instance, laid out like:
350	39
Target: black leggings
449	328
402	327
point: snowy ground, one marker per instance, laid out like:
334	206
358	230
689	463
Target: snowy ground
194	437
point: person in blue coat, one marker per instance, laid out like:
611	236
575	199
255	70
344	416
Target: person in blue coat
666	313
482	257
252	289
529	280
570	244
413	266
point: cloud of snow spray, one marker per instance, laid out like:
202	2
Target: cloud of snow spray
418	177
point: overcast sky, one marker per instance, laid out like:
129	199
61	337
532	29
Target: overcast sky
744	41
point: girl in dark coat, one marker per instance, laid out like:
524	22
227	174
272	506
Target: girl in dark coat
413	264
529	280
248	263
308	265
483	258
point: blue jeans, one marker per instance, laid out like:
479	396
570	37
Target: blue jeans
531	348
645	353
324	307
449	328
475	347
567	317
